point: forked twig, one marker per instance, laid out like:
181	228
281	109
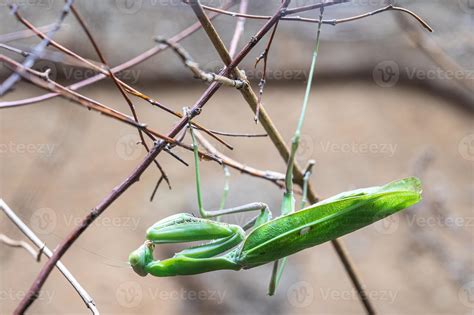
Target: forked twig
333	22
275	177
4	38
32	293
433	51
42	80
48	253
124	66
194	66
239	28
263	79
230	72
120	88
38	49
19	244
104	69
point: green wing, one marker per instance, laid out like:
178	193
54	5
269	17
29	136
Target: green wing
327	220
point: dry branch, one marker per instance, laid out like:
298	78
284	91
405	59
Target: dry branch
43	249
32	293
230	75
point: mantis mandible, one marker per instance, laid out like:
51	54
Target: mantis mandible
270	240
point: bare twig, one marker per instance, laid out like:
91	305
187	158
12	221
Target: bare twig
14	243
38	49
329	22
241	135
239	29
194	66
4	38
267	17
104	69
15	50
272	176
124	66
120	88
230	70
433	51
32	293
263	79
278	141
42	80
48	253
252	99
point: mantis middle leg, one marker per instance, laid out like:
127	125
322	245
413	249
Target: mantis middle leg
265	214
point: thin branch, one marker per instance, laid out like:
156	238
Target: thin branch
18	244
38	49
329	21
250	96
15	50
433	51
194	66
266	17
9	37
277	139
239	29
120	88
104	69
65	244
352	273
124	66
389	7
48	253
42	80
314	6
240	135
274	177
263	79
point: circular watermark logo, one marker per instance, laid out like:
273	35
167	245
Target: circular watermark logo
386	73
300	294
466	294
48	68
466	147
128	147
387	225
129	294
129	6
467	6
43	221
305	148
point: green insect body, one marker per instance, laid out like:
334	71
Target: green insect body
229	247
272	240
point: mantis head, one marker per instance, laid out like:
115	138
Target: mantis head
141	257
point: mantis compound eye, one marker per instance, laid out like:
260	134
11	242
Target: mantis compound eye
140	258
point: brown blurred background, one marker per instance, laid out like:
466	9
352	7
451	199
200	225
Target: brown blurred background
364	127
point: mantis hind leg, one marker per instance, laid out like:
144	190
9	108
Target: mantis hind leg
288	204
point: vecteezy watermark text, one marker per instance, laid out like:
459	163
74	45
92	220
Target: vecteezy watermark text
45	149
360	148
130	294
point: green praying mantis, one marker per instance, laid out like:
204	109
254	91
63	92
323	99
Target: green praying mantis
231	247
